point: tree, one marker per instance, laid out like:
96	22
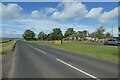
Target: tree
79	32
119	32
84	32
49	36
99	32
41	36
108	35
69	32
56	34
29	35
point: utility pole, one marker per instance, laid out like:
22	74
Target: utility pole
112	31
43	37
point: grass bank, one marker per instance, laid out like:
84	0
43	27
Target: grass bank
7	47
101	51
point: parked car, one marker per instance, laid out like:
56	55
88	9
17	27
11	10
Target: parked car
112	42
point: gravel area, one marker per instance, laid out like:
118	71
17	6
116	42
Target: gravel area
7	64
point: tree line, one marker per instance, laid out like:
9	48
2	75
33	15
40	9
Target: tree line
57	34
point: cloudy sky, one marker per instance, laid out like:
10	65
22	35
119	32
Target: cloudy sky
44	16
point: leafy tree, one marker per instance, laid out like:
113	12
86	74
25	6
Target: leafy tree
84	32
29	35
41	36
56	34
79	32
69	32
108	35
99	32
119	32
49	36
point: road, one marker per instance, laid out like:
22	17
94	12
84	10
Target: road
40	61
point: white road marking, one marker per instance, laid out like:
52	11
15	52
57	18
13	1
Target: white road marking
37	49
77	69
41	51
68	64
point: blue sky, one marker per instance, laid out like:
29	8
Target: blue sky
44	16
31	6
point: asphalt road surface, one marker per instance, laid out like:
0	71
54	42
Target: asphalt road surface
39	61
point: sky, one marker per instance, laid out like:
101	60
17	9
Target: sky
44	16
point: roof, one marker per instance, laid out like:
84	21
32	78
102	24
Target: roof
77	35
92	35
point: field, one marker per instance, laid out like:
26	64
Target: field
7	47
101	51
8	39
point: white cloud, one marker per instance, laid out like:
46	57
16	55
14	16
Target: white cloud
10	29
0	10
47	25
10	11
36	14
70	10
42	20
42	25
49	10
12	33
75	10
108	16
40	14
96	13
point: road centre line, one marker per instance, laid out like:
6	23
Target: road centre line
77	69
37	49
41	51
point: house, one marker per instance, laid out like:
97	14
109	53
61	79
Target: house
81	36
76	37
91	37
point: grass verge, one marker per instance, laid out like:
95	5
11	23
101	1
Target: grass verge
40	42
8	47
101	51
36	42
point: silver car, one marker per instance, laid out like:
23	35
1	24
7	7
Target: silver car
112	42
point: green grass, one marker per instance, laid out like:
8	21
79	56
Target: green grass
101	51
0	40
36	42
40	42
7	47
